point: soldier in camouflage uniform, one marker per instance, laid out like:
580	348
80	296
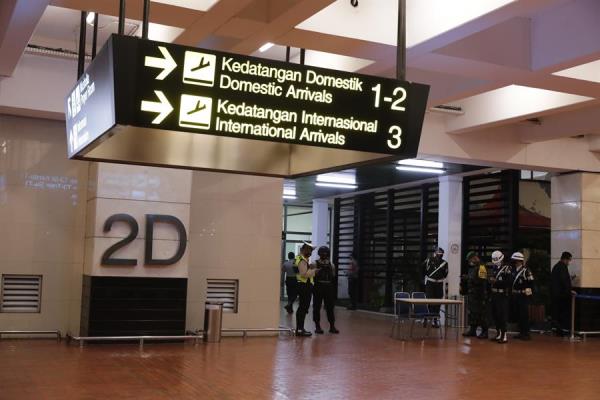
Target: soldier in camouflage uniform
475	286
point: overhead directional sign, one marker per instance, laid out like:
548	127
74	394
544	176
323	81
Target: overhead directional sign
174	88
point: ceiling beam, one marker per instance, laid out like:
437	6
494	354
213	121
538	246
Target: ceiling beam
280	25
164	14
216	17
19	19
582	121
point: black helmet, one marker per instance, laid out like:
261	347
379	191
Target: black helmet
323	250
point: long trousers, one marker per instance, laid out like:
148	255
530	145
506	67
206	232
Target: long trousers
304	296
500	311
324	293
522	310
561	310
434	290
353	291
291	286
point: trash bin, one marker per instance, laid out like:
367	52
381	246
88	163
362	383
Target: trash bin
213	321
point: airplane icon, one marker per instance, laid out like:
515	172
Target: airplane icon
195	111
201	64
199	68
199	107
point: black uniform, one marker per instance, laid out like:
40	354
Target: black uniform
501	280
324	291
522	293
475	287
436	271
561	296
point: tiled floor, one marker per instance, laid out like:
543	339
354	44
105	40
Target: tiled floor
361	363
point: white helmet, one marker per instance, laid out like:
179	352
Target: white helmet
518	256
497	257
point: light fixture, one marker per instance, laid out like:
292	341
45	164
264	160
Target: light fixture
420	169
348	177
289	190
413	162
265	47
336	185
90	18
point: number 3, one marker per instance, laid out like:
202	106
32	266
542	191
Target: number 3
396	141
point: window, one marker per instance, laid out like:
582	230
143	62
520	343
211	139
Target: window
21	294
223	291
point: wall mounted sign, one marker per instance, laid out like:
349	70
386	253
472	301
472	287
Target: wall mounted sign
151	220
173	94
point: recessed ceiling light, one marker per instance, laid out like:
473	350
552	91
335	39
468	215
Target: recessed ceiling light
90	18
336	185
347	177
265	47
423	170
421	163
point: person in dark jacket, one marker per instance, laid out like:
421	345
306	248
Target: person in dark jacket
522	293
324	291
435	272
475	286
561	294
500	282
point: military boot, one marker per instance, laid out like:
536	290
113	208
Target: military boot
503	337
318	329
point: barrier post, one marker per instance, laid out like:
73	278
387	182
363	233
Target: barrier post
573	297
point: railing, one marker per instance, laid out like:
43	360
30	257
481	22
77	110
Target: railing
140	339
29	333
245	331
190	335
583	334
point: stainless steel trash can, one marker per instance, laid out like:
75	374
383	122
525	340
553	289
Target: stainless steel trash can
213	322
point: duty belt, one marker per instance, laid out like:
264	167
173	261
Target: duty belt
323	281
519	291
428	279
494	290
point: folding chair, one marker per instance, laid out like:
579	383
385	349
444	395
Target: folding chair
401	310
421	312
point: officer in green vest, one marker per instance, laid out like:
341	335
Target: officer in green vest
305	277
475	286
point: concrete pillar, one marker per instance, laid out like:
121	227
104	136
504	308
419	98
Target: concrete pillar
320	224
450	227
576	228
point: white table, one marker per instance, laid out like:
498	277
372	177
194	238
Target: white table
436	302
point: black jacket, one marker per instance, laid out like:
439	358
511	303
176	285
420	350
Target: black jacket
561	280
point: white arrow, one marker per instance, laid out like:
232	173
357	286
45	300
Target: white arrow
167	63
164	108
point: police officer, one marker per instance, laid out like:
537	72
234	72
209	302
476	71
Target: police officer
324	290
475	286
522	292
500	282
305	277
436	271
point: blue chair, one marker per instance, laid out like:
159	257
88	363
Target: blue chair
420	312
401	310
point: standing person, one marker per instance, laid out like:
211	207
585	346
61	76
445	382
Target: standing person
561	294
436	272
305	278
291	282
324	290
475	286
500	281
353	281
522	292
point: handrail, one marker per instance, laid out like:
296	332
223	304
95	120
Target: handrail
49	332
583	334
245	331
141	339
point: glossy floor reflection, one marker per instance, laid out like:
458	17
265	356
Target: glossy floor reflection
360	363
